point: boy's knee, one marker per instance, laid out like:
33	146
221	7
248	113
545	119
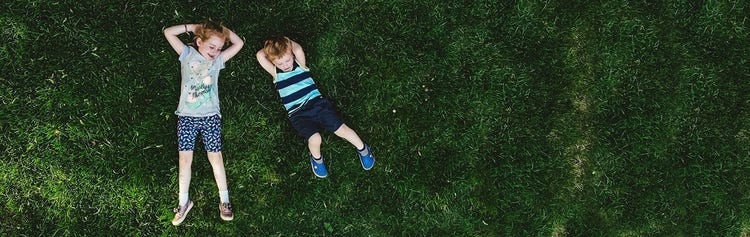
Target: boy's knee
315	139
343	130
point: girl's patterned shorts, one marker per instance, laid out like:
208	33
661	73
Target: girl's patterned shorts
209	128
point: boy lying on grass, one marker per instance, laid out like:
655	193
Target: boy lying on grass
284	59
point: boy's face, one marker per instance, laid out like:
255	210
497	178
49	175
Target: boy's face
285	62
211	47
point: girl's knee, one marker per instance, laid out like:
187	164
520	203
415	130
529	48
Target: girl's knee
186	158
214	157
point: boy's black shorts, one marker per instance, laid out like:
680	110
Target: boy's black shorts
316	113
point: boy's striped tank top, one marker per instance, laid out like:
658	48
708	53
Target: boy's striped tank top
296	87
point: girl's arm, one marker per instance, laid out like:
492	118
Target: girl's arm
267	65
299	54
172	32
237	44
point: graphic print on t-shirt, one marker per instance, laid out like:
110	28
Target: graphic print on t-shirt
199	83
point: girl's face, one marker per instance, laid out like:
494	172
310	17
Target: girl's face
285	63
211	47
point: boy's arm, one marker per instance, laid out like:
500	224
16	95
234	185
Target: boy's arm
267	65
172	32
237	44
299	54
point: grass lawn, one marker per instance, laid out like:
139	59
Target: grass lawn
487	118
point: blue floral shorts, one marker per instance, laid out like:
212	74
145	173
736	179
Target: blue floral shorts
189	127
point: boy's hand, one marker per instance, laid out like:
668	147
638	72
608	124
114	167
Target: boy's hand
267	65
299	54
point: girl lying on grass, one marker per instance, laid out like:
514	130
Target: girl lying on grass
198	107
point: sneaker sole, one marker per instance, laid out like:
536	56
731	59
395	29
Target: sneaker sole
178	222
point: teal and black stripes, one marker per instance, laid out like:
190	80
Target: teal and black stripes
295	87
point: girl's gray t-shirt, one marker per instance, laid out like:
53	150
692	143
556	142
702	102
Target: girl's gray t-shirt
199	90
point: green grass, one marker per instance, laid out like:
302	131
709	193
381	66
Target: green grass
525	118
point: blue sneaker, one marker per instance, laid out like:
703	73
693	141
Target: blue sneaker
318	169
368	161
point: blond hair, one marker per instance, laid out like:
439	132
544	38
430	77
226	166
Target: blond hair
211	28
275	47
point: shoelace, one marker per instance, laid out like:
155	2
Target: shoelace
177	209
227	206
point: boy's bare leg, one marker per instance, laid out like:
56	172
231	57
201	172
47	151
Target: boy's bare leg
365	157
316	161
351	136
313	143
